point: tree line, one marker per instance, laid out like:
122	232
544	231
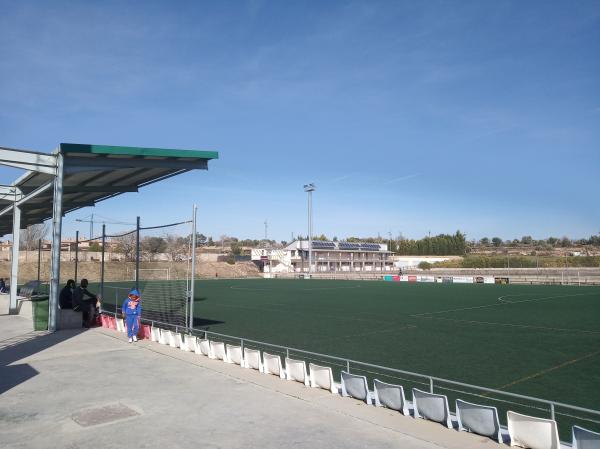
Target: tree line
481	261
547	243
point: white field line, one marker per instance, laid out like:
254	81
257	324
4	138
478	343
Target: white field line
501	303
523	326
547	370
297	312
303	289
367	333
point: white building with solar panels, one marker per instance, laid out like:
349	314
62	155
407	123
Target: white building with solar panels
327	257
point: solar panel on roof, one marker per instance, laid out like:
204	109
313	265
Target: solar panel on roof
370	246
323	245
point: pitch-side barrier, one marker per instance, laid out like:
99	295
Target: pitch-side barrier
432	385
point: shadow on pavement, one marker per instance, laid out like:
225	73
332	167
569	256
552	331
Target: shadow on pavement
22	346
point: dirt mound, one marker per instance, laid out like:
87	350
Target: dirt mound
124	271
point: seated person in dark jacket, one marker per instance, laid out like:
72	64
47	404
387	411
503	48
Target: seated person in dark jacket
65	300
85	302
2	286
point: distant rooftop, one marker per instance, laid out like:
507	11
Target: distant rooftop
338	246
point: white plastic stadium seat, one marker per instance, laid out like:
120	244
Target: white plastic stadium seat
532	432
252	359
356	387
431	406
217	349
585	439
322	377
480	419
189	342
182	343
120	325
272	365
203	347
165	337
296	370
234	354
155	333
390	396
174	339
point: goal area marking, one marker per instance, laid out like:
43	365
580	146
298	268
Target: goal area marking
166	271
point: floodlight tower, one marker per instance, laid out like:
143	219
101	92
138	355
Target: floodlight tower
309	188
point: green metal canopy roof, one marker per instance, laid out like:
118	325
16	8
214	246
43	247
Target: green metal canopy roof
74	148
92	173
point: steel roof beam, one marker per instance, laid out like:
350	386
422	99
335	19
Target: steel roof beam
83	164
10	193
28	160
41	210
25	198
99	189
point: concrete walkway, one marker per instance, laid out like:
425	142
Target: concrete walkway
80	389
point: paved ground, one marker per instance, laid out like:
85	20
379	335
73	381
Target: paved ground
79	389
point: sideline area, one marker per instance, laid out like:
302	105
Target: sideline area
90	388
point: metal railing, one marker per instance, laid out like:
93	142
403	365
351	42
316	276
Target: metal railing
432	382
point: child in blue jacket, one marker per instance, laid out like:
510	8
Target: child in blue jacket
132	309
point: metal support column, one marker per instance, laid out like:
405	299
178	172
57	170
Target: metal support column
193	274
137	254
102	261
56	234
76	254
14	263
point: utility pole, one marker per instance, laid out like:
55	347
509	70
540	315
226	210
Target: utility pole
309	188
266	228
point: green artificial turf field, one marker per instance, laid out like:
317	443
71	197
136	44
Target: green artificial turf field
541	341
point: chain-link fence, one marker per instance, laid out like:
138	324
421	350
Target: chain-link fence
156	260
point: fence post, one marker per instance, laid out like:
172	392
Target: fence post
552	411
76	253
137	254
287	352
102	261
347	366
193	273
39	258
242	346
431	385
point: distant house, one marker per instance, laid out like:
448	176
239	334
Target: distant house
327	257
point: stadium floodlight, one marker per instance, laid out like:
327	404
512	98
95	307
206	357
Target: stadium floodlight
309	188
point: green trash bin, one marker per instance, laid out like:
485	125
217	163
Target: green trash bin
39	305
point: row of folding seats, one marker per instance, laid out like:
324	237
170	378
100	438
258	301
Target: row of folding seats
523	430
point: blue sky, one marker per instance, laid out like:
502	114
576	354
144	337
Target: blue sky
409	116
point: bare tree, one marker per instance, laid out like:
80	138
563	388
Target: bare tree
126	245
29	237
177	247
152	246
